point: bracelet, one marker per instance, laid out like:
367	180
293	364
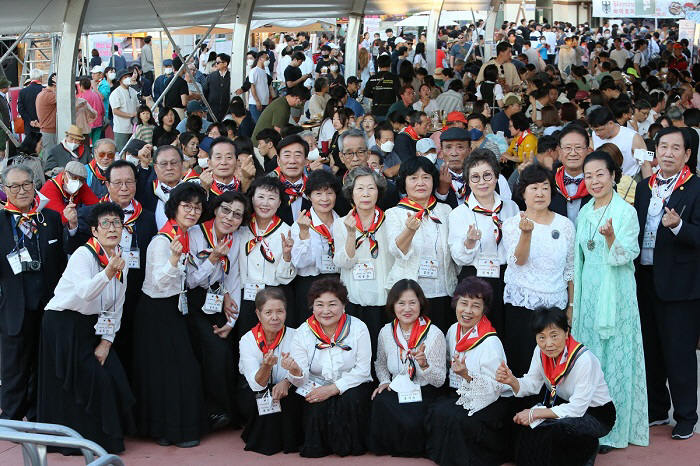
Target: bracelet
571	305
530	416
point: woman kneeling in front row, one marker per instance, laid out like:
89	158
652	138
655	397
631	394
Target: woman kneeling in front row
578	409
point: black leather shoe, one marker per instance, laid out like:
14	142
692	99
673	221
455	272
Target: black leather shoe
163	442
218	421
603	449
188	444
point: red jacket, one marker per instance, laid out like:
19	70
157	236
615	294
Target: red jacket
58	199
678	63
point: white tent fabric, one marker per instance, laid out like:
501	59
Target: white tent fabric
289	23
422	20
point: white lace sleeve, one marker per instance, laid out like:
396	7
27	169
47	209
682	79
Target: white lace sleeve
479	393
435	348
380	365
570	233
511	236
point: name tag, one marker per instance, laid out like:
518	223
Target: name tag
250	289
213	303
363	271
649	240
455	380
487	266
327	265
182	303
105	326
266	404
24	255
305	389
428	268
15	262
132	258
414	396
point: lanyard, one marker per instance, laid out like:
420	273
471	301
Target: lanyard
22	240
114	302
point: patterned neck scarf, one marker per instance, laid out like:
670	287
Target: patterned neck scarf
555	369
408	204
259	335
98	251
97	172
209	236
25	221
494	217
419	332
219	188
324	231
258	237
171	229
293	191
377	222
480	332
341	333
561	186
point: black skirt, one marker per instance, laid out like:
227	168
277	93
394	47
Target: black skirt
215	356
456	438
374	317
497	284
338	425
441	313
75	390
247	319
301	311
398	429
275	432
518	340
167	377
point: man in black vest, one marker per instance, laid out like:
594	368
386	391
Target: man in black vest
32	261
668	282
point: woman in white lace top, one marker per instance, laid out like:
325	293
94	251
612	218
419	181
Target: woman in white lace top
410	367
540	253
474	435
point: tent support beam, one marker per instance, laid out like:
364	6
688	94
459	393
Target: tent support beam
431	35
352	38
68	51
11	136
489	28
24	33
241	35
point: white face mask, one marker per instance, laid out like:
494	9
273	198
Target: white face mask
430	156
378	171
132	159
72	186
334	67
250	61
72	145
126	82
111	76
313	155
387	146
167	70
203	162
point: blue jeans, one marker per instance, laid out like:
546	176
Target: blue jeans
254	113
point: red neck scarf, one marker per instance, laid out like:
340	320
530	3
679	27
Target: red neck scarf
28	218
131	221
259	335
171	229
377	221
208	233
324	231
98	251
555	369
559	178
419	332
407	203
411	131
494	217
220	188
273	226
294	192
96	170
341	332
683	177
58	182
521	138
480	332
190	175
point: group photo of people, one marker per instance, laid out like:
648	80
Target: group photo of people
493	260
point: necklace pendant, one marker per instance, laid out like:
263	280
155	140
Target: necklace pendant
590	244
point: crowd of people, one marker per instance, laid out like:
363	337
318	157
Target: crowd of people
497	261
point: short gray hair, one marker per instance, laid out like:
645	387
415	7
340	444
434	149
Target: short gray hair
349	185
18	166
306	134
36	73
351	133
674	113
103	141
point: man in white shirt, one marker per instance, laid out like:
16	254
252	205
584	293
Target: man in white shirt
507	73
551	41
619	55
606	129
259	95
124	102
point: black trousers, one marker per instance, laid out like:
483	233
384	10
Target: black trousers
670	332
19	357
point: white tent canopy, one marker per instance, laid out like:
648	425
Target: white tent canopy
422	20
289	23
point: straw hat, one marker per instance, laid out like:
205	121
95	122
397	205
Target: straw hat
75	132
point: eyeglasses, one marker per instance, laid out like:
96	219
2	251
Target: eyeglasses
26	187
488	176
189	207
225	211
121	184
217	62
569	149
173	163
358	153
105	224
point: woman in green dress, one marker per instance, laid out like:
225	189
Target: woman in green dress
605	313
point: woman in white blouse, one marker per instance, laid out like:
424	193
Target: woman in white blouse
418	228
273	413
540	252
265	250
411	368
333	354
167	376
314	247
78	329
476	228
476	433
213	298
362	254
577	409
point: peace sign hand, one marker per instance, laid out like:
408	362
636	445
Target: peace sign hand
459	367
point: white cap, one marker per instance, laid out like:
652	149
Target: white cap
424	145
97	69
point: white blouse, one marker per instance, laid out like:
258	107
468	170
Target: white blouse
345	369
307	255
583	387
205	273
85	288
482	363
255	268
388	364
464	216
162	280
252	358
542	280
428	243
363	292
